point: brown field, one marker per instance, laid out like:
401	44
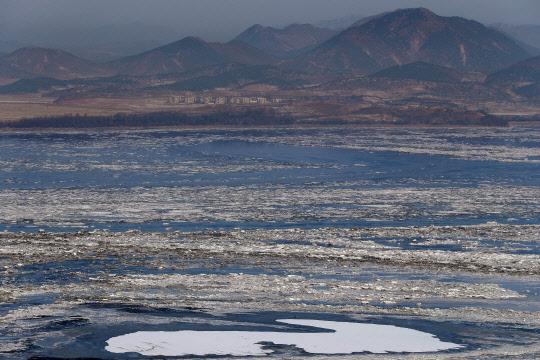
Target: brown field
13	107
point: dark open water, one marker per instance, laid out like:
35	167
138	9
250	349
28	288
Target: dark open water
243	167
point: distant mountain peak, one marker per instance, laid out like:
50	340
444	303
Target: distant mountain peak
191	53
290	41
53	63
408	35
187	40
418	10
193	39
40	50
403	18
257	27
185	54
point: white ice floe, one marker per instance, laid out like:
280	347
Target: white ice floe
346	338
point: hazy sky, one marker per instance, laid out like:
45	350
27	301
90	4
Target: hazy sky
219	20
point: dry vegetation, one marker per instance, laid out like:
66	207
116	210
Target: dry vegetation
14	107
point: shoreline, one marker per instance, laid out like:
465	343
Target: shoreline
209	127
375	116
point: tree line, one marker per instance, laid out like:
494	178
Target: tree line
248	117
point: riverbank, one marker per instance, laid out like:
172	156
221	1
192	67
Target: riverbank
262	116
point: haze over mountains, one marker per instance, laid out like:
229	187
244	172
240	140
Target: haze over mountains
527	34
188	54
371	44
291	41
51	62
96	43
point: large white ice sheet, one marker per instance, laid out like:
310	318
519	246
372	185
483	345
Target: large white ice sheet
346	338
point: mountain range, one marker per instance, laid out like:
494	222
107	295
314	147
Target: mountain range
410	35
91	41
188	54
183	55
285	43
371	44
38	61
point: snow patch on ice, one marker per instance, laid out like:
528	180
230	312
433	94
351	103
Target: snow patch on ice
346	338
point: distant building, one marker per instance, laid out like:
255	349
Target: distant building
191	99
206	100
174	100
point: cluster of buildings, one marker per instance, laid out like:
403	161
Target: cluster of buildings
191	99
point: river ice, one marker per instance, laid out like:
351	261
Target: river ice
346	338
109	233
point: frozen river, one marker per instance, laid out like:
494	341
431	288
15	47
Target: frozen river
275	178
222	232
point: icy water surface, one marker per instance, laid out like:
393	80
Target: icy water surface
109	233
275	178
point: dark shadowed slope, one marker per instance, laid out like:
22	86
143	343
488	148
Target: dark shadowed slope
291	41
422	71
31	85
409	35
524	73
8	72
259	74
